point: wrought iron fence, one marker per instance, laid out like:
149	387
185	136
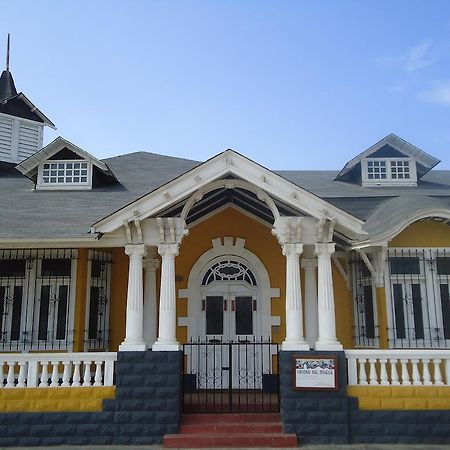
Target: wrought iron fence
239	376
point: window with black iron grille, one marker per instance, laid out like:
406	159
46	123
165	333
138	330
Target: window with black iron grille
98	300
37	299
364	304
418	298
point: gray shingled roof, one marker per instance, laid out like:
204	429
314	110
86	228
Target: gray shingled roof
29	213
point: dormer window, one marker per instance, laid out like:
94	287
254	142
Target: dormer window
389	172
73	173
62	165
390	162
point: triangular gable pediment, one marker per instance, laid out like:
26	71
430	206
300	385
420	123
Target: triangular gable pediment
226	163
29	167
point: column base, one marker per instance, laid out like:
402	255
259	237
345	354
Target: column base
294	346
132	347
166	346
328	345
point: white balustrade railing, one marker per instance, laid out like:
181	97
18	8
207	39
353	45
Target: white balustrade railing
56	369
398	367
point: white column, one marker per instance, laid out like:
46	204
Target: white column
326	314
134	330
167	340
294	314
311	316
150	311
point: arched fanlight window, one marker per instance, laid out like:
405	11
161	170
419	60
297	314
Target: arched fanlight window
229	270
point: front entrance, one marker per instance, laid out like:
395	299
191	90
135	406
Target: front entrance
237	376
230	363
228	368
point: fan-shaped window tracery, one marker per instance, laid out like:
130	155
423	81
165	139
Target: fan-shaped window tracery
229	270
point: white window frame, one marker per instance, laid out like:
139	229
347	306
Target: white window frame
389	180
429	281
64	185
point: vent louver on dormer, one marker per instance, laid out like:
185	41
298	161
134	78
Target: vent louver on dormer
6	133
19	138
30	139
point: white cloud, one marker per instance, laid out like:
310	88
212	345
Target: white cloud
439	93
419	57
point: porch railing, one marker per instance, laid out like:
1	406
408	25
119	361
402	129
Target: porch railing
57	369
398	367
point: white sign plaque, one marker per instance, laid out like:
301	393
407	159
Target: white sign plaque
315	373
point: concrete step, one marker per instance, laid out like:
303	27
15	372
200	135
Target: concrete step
230	431
231	427
230	440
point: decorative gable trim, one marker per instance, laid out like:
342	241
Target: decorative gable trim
229	162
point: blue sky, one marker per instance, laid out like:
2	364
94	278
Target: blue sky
290	84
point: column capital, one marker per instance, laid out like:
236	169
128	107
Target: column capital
324	249
168	250
135	250
151	264
288	230
292	250
309	263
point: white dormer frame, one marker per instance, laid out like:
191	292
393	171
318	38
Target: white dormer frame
386	173
68	173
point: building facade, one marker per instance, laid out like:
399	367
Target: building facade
139	286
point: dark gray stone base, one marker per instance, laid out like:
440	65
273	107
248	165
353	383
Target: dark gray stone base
146	407
399	427
332	417
316	417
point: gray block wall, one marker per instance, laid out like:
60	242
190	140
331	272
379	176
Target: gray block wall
316	417
332	417
146	407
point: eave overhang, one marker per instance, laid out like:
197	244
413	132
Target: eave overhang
33	108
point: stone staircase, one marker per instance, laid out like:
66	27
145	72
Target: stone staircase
230	431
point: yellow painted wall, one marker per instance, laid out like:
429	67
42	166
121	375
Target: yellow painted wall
59	399
401	397
260	241
423	234
119	284
343	303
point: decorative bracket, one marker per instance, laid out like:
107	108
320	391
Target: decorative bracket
377	265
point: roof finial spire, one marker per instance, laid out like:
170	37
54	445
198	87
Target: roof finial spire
7	52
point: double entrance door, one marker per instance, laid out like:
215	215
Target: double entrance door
231	359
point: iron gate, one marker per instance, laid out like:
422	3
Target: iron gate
237	376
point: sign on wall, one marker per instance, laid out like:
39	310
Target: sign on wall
315	372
